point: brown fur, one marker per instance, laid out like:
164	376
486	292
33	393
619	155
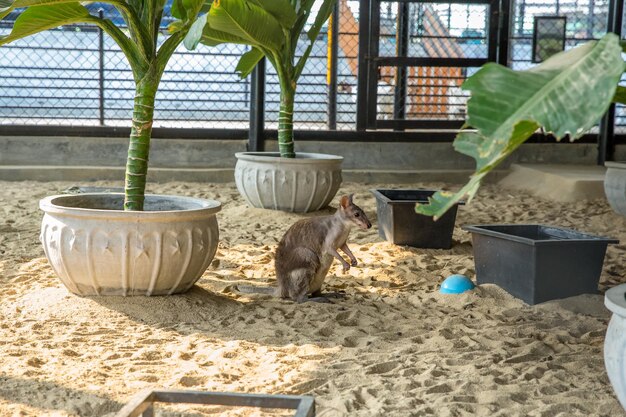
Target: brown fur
306	252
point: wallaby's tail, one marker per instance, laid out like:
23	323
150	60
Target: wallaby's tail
253	289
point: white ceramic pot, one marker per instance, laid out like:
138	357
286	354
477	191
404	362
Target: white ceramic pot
615	186
615	341
302	184
97	248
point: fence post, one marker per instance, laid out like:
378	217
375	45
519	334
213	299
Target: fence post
606	136
402	47
256	133
101	68
364	51
331	81
504	32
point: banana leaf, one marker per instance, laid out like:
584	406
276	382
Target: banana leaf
247	21
200	31
248	61
566	95
282	10
41	18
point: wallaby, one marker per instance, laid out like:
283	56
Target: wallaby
305	253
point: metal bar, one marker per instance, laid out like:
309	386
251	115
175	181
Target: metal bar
442	1
306	407
402	47
504	31
437	131
113	131
45	48
424	131
148	412
398	124
228	399
590	18
370	96
429	62
422	135
143	402
101	69
137	405
606	135
256	139
363	70
333	51
522	16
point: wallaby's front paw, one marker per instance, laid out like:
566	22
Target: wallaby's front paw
346	268
354	262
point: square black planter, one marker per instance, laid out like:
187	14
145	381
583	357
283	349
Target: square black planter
538	263
400	224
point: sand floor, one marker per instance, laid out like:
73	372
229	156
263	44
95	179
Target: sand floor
394	346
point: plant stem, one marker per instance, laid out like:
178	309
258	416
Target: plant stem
285	120
139	147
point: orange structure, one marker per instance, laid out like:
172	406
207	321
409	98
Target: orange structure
432	91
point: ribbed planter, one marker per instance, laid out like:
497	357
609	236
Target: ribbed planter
97	248
615	341
615	186
302	184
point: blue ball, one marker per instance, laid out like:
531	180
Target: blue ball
456	284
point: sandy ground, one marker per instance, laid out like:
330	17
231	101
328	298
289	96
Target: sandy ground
393	347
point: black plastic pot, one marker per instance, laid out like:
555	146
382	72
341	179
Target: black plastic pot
538	263
400	224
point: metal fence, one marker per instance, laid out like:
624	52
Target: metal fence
586	20
77	76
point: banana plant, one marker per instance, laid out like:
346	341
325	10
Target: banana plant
272	28
566	95
140	43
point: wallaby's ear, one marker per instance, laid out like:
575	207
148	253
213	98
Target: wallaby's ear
346	200
350	198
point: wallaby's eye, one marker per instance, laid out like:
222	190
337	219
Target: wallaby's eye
356	214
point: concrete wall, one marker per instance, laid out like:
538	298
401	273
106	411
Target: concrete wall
77	159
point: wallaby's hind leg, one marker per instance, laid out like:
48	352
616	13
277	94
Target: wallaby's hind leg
299	280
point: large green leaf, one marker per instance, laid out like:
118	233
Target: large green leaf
248	61
567	94
201	32
178	10
136	27
186	9
247	21
40	18
323	14
193	35
7	6
42	15
282	10
303	10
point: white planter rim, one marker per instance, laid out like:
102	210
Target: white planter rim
615	164
614	300
92	205
301	157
